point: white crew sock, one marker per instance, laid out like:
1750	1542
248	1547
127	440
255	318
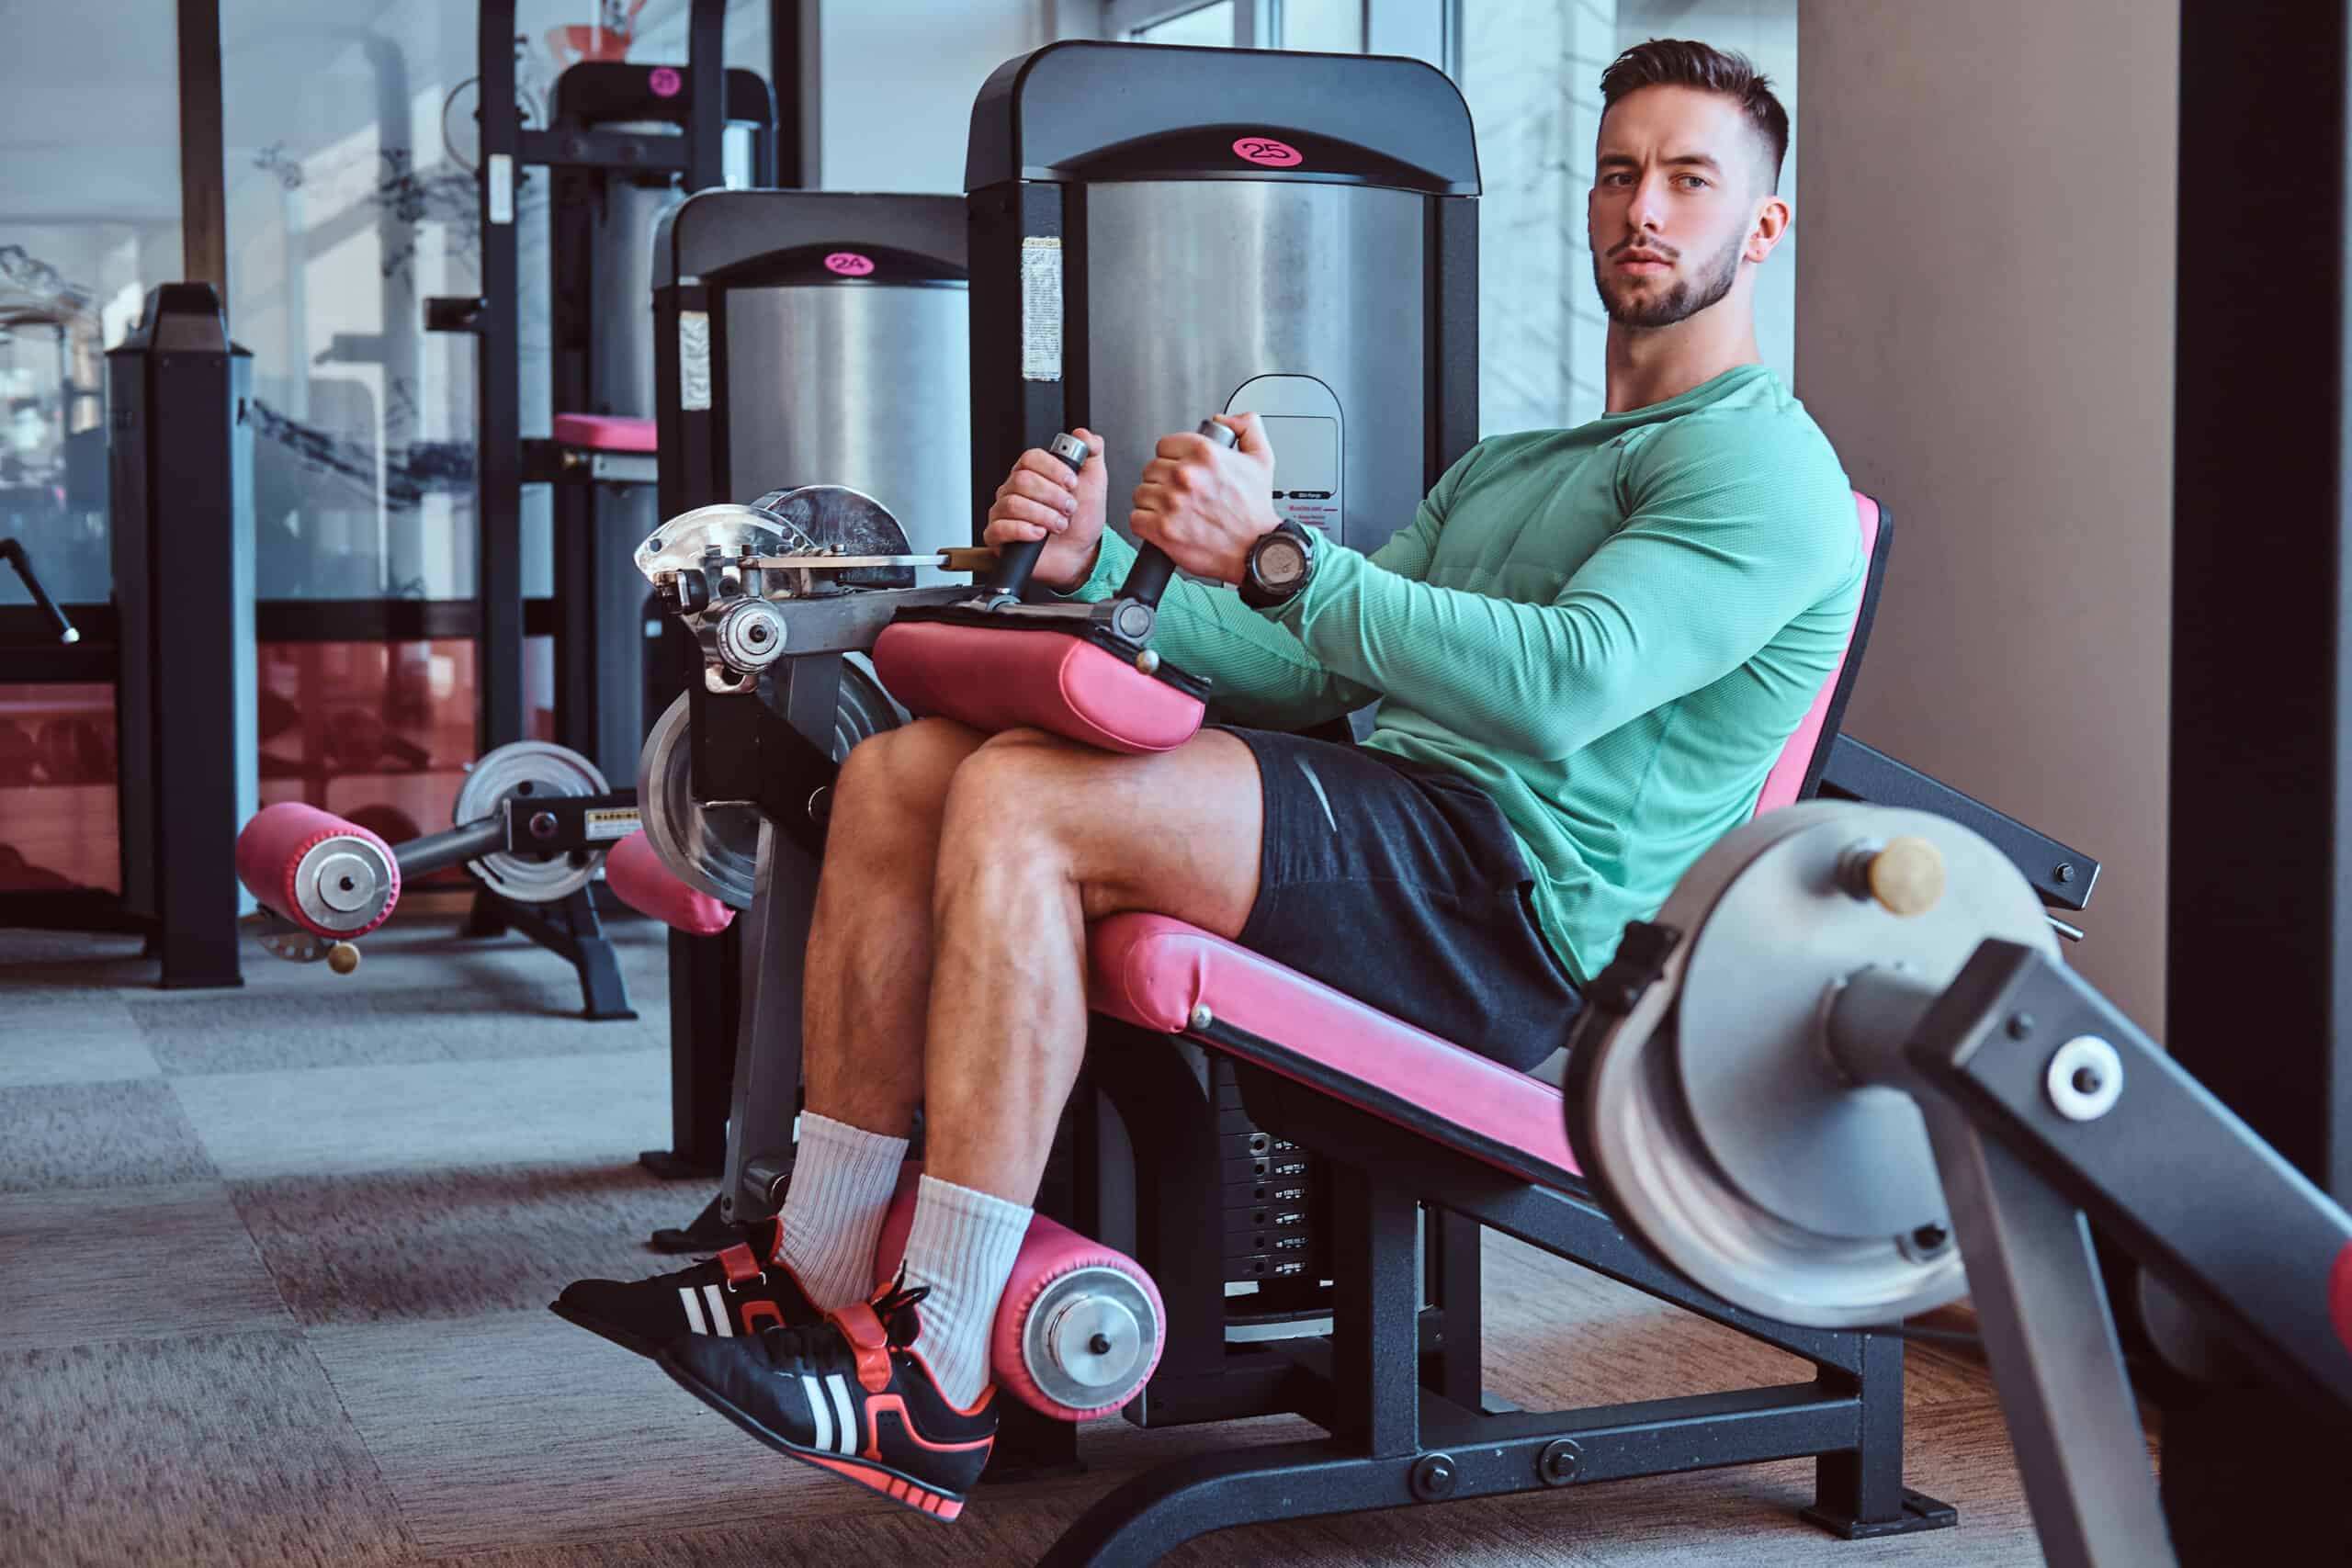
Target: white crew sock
843	1181
962	1247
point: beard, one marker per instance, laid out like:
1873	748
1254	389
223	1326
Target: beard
1686	299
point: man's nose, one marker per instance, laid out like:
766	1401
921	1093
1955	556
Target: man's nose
1647	211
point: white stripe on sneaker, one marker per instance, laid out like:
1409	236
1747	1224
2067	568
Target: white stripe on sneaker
848	1435
821	1411
718	1312
693	1309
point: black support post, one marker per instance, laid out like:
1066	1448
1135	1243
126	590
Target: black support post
2261	941
180	457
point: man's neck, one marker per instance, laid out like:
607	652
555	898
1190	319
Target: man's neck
1649	365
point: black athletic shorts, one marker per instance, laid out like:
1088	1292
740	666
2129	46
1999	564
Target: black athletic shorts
1401	886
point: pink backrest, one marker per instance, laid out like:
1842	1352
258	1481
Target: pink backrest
1792	777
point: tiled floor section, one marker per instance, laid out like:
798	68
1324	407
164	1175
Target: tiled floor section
273	1268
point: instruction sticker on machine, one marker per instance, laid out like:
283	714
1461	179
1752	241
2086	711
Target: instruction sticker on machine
694	360
1041	308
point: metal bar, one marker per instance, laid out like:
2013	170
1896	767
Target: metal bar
498	400
767	1041
1450	1255
1152	1515
1375	1337
204	226
438	852
2054	1352
2250	1239
582	147
794	40
706	89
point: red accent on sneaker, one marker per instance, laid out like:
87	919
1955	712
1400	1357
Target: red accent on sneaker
862	1328
897	1406
753	1310
914	1496
740	1266
988	1391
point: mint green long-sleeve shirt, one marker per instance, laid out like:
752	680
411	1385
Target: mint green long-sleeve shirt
1612	630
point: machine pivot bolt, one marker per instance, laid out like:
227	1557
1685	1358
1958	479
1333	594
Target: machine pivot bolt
2064	871
343	958
543	824
1559	1463
1147	661
1099	1345
1201	1017
1434	1477
2084	1079
2020	1024
1931	1239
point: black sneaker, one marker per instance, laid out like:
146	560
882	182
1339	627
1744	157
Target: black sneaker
848	1395
723	1297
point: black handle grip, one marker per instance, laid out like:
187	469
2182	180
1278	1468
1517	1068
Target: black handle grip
1147	579
1014	562
13	552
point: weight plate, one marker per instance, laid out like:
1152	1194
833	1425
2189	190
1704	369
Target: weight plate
712	849
523	770
716	848
1776	1112
1649	1145
845	522
732	529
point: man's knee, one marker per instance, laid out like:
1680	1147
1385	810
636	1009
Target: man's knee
1010	798
898	780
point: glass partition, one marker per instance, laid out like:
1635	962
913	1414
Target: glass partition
89	221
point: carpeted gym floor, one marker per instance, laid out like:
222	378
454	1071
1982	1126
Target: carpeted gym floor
274	1268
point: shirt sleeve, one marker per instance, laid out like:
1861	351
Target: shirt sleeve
1260	671
1727	539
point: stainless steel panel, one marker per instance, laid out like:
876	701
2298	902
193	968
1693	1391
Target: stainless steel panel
1194	286
622	284
864	387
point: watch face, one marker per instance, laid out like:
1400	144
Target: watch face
1281	561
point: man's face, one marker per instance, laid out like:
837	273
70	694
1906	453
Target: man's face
1674	204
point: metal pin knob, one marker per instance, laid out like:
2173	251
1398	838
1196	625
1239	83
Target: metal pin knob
1906	875
2084	1079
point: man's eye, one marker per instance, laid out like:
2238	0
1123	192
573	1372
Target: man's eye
1615	179
1692	182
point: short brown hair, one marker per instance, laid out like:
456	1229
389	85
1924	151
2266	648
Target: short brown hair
1685	62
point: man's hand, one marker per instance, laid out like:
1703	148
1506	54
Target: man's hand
1041	499
1205	504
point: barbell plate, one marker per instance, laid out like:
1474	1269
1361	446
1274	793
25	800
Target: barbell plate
528	769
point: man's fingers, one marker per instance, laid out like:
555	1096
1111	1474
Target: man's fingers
1045	515
1039	489
1004	530
1251	433
1038	461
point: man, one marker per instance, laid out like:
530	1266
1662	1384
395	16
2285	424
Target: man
1590	648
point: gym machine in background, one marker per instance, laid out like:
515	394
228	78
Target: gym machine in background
180	487
800	336
626	139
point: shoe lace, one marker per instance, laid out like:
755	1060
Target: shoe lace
822	1346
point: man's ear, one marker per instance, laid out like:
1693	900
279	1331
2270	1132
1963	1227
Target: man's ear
1771	221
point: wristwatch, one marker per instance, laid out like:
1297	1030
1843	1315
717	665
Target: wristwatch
1281	564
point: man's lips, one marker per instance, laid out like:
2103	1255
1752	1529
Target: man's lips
1639	262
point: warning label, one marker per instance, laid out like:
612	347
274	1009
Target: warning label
1041	308
600	823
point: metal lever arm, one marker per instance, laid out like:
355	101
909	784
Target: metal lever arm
13	552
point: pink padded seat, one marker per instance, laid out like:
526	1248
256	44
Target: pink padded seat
605	432
1153	972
